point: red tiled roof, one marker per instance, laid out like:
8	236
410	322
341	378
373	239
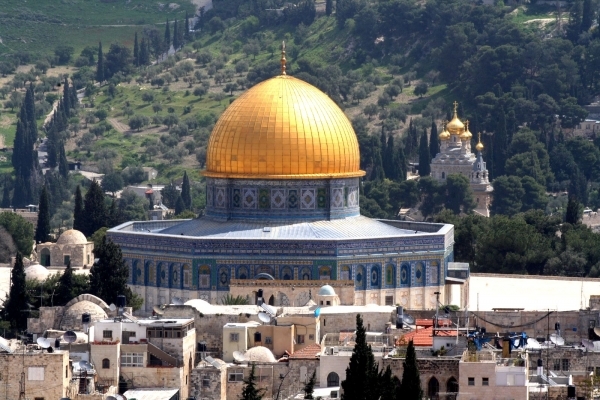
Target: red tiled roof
309	352
429	322
424	337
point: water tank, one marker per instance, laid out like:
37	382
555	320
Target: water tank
121	301
257	337
86	318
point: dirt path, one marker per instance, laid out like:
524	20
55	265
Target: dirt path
119	126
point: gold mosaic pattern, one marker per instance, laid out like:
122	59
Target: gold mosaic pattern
283	128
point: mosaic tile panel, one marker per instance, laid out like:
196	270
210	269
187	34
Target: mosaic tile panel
352	197
278	199
337	198
321	198
307	199
293	199
264	200
236	198
220	197
250	198
209	196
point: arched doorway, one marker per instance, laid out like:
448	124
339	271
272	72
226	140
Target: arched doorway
333	380
451	389
271	300
45	257
433	388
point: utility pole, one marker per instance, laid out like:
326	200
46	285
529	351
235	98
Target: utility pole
437	308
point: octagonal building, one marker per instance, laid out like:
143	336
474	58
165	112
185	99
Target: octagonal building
282	202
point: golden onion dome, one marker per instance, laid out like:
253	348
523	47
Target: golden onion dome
455	126
283	128
466	135
445	135
479	145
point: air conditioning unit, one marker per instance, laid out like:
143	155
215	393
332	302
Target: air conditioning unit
335	350
334	394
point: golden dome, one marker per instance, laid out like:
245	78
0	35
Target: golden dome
479	145
466	135
445	135
455	126
283	128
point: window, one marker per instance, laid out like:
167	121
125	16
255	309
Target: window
236	375
300	339
35	373
328	302
565	364
204	280
66	259
105	363
485	381
324	322
268	340
205	381
66	371
556	365
471	381
107	335
234	337
389	300
132	359
311	337
333	380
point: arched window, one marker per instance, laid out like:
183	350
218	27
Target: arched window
45	257
433	388
451	389
333	380
105	363
443	175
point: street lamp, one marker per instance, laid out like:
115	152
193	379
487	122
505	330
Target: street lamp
282	378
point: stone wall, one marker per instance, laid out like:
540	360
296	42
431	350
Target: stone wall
46	374
80	254
99	352
373	321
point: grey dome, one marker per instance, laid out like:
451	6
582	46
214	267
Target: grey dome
326	290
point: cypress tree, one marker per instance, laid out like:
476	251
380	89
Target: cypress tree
65	292
361	374
43	223
136	51
377	172
587	16
17	298
95	210
179	205
400	163
108	277
5	195
411	381
309	387
63	164
30	109
392	171
167	36
434	144
175	35
66	101
328	7
186	34
186	194
424	161
100	65
144	54
250	391
500	144
572	215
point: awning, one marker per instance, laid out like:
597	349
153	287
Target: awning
152	394
454	281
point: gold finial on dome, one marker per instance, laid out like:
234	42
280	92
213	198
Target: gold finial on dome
479	145
445	135
283	60
466	135
455	126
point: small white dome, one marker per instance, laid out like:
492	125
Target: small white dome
36	271
200	305
259	354
72	236
326	290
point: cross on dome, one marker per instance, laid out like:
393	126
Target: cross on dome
283	60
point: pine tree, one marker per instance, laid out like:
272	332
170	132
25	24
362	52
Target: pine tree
361	374
108	276
95	210
424	161
78	213
434	144
250	392
100	65
179	205
309	387
167	41
328	7
65	292
175	35
16	302
411	380
43	223
186	194
136	51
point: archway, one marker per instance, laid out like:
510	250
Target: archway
333	380
271	300
451	389
45	257
433	388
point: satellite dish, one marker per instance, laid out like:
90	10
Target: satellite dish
588	344
43	342
264	317
533	344
178	301
70	336
158	310
84	366
409	319
112	307
597	331
239	356
111	398
557	340
269	309
317	312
